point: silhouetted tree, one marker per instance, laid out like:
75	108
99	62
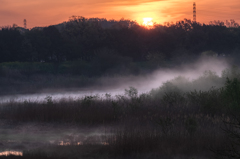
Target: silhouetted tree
80	39
11	45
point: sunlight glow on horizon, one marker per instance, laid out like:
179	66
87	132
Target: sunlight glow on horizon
148	22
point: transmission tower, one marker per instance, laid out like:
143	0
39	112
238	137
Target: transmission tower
25	23
194	12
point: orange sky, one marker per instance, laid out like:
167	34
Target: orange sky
48	12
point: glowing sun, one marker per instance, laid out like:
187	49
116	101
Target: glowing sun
148	22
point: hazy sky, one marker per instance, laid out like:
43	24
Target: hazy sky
48	12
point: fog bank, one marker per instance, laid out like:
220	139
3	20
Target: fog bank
143	83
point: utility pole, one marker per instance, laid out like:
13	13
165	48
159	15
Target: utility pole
25	23
194	12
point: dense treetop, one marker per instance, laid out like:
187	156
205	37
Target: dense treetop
118	42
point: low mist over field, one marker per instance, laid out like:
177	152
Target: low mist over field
115	85
157	78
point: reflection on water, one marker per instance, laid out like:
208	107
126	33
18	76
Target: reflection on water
7	153
68	143
105	143
36	136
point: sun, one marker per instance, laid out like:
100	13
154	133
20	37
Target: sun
148	22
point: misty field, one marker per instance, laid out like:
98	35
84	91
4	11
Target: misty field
182	118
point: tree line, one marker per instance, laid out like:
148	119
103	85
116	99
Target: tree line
84	39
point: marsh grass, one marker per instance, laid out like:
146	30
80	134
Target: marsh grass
168	121
146	130
85	111
139	141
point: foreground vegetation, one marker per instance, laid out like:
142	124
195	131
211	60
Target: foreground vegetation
172	120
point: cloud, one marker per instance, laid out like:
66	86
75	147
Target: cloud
124	2
137	2
2	2
7	13
47	12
